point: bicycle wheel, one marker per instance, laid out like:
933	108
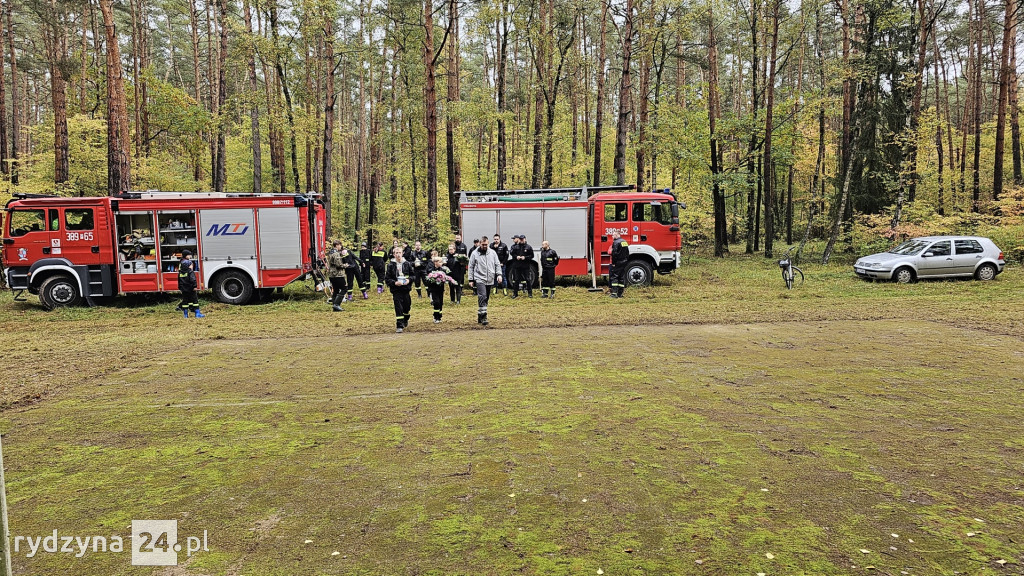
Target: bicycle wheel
787	275
801	272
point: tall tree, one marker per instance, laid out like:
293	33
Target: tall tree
3	95
15	102
451	121
599	104
430	108
119	176
220	160
254	108
714	112
502	26
1005	76
769	105
625	97
329	100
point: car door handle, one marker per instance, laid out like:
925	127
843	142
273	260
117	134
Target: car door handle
95	249
643	237
948	259
8	241
604	238
46	250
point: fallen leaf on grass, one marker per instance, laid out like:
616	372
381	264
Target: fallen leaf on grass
599	571
761	574
1001	562
910	540
979	520
698	561
335	553
769	556
969	534
308	542
894	535
865	551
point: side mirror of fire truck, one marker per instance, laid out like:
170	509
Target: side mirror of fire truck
8	240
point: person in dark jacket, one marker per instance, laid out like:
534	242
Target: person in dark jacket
398	277
364	265
501	249
619	251
378	260
187	286
522	258
435	284
548	262
419	260
336	274
352	274
458	259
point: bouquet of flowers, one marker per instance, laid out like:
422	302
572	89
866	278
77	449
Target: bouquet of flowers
439	278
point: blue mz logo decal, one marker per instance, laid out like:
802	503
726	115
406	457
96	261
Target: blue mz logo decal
228	230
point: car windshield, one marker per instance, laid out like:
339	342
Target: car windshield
909	248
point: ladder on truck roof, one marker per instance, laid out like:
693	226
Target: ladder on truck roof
539	194
165	194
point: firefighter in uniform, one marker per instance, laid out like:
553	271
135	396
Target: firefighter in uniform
619	251
336	274
419	260
457	261
522	256
548	262
187	286
352	276
501	249
364	265
398	277
378	260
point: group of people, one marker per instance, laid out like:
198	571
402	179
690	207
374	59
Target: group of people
488	265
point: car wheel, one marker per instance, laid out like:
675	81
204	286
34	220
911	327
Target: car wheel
903	275
233	287
985	272
59	292
639	273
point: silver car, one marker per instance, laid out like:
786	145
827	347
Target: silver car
934	257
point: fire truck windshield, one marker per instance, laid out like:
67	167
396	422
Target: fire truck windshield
22	222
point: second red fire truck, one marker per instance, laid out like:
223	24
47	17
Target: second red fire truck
578	222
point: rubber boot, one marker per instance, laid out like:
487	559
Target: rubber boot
419	293
337	308
199	314
365	295
380	289
483	319
185	312
479	318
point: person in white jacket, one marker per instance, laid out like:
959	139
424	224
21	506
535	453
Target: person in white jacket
484	271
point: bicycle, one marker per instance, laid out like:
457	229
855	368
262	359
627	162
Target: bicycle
788	270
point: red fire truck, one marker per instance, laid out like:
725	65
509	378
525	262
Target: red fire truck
70	249
578	222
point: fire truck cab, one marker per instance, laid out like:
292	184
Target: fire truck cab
579	223
67	250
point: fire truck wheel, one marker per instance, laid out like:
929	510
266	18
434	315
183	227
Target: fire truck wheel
232	287
58	292
639	273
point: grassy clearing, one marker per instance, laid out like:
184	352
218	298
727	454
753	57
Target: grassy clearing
707	422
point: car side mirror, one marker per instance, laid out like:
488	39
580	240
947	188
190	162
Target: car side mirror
929	254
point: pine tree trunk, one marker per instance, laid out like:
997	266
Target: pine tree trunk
3	95
430	108
118	144
625	100
500	88
1004	88
254	109
1018	178
222	93
451	123
599	103
714	110
15	104
329	99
